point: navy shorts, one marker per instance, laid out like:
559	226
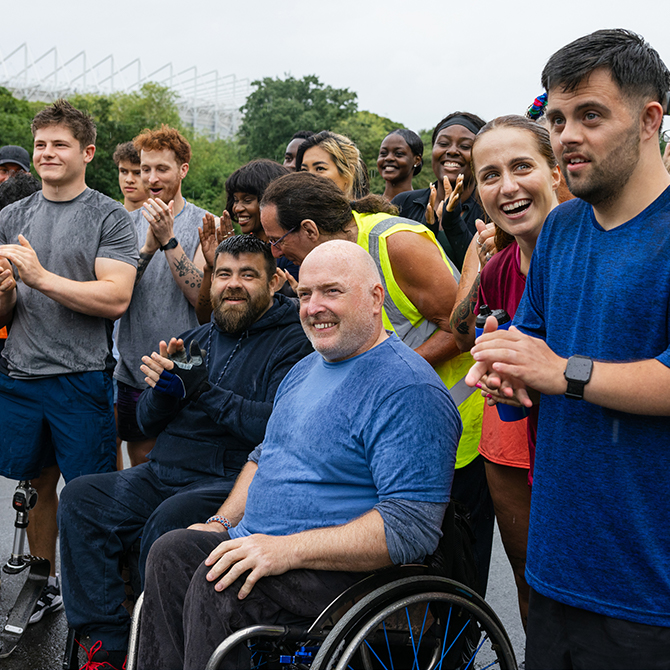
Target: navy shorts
126	411
70	417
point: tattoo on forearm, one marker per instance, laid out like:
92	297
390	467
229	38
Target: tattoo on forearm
188	272
459	319
142	265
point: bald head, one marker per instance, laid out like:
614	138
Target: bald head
344	257
341	299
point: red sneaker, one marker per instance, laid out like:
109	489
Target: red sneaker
101	659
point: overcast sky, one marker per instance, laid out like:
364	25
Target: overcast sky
411	60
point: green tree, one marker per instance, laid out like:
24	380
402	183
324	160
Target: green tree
212	163
119	117
367	130
15	118
427	175
152	105
280	107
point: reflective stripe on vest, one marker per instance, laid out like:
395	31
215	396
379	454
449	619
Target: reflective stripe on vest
412	336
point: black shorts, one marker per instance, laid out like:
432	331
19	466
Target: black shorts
127	427
561	637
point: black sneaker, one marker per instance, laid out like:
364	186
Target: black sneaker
101	659
50	601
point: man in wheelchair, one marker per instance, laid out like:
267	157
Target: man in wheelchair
354	474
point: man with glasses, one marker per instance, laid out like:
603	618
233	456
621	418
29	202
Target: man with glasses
13	159
301	211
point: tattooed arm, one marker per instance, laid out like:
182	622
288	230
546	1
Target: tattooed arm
462	319
147	252
187	273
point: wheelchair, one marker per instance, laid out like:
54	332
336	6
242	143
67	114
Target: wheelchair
411	617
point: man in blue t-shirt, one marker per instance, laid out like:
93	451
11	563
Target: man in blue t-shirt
353	475
592	337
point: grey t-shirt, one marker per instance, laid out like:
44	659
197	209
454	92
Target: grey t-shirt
46	338
159	310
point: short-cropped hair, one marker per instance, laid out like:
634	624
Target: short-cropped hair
252	178
126	152
62	113
248	244
414	142
164	138
632	63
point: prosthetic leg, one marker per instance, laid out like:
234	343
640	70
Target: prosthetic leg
25	498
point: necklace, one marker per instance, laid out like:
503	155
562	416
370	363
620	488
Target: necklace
232	353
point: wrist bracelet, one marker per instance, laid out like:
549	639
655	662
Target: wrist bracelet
170	244
220	519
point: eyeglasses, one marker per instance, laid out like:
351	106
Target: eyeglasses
666	136
278	242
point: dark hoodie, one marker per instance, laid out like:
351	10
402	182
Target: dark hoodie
215	434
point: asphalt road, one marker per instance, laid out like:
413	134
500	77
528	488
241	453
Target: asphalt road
43	644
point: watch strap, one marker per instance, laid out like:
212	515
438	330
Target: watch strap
170	244
577	373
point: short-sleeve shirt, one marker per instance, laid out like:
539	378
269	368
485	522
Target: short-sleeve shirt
600	515
159	309
47	338
344	436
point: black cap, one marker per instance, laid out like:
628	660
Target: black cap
13	154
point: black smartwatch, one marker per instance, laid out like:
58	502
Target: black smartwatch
170	244
578	375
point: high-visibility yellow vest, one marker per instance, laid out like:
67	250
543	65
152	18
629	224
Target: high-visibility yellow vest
403	318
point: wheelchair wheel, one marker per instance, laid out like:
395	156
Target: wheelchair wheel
420	623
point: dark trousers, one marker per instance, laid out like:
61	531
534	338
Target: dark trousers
471	489
100	517
184	619
561	637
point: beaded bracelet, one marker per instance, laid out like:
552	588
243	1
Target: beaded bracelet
220	519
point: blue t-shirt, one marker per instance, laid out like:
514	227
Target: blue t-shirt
344	436
600	512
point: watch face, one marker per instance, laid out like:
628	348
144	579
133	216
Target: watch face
579	369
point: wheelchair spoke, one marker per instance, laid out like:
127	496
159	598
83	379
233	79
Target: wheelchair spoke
376	656
444	641
388	646
419	623
484	638
426	634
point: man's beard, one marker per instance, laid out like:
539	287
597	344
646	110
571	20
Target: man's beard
238	318
609	177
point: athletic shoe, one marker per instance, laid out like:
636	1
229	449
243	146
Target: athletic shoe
101	659
50	601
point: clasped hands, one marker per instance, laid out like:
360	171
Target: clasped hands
450	195
161	220
23	256
510	365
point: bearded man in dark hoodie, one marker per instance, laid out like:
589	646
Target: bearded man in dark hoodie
208	409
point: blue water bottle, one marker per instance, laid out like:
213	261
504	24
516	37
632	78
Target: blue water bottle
506	412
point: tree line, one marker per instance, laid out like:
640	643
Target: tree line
272	113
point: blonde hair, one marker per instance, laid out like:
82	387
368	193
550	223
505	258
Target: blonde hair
347	159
